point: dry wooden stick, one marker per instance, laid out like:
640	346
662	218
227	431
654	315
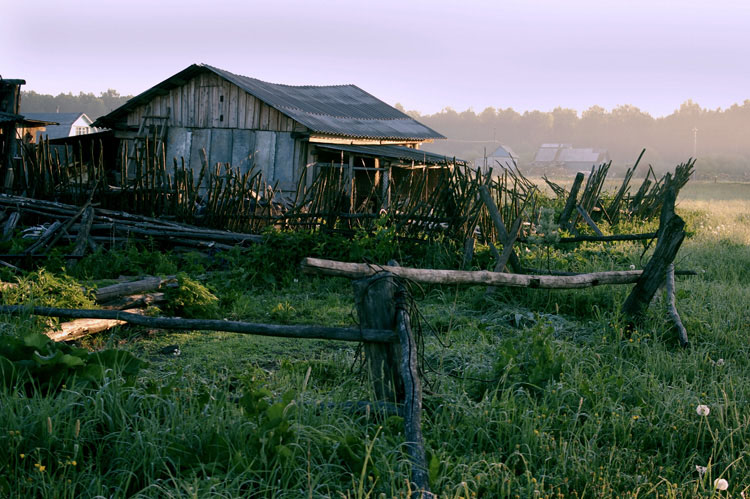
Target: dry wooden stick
672	308
413	399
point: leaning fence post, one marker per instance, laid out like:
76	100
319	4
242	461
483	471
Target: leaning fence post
670	236
570	204
374	299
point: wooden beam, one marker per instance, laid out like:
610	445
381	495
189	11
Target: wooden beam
481	277
307	332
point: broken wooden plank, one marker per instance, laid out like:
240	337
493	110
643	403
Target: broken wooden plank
298	331
82	237
76	329
584	214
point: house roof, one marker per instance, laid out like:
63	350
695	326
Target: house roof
342	110
503	152
63	123
396	152
23	120
59	118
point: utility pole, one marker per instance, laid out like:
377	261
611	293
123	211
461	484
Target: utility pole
695	142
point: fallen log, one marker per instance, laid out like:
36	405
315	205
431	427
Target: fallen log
113	291
307	332
482	277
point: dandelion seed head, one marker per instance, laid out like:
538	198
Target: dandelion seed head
703	410
721	484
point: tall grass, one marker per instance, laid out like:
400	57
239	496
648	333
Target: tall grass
615	415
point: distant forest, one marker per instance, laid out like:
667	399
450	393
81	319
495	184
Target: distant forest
722	146
93	106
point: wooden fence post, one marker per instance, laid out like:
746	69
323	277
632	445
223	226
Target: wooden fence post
671	234
376	308
570	204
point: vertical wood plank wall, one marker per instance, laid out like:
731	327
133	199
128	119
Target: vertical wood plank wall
207	101
231	125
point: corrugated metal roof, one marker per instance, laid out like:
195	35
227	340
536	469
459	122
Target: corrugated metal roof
23	121
342	110
396	152
579	155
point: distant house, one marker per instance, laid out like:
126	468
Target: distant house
568	157
285	131
501	158
68	125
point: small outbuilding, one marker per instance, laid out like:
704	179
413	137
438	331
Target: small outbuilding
568	157
285	131
67	125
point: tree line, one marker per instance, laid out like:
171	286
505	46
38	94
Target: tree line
718	138
93	106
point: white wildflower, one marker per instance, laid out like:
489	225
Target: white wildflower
632	267
701	470
721	484
720	362
703	410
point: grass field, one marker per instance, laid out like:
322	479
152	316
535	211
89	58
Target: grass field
529	393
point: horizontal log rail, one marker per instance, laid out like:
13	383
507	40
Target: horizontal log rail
296	331
481	277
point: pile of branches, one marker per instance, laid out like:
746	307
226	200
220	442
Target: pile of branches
90	226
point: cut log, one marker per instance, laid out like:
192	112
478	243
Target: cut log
108	293
308	332
409	369
672	309
135	301
482	277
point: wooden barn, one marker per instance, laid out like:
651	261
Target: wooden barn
288	132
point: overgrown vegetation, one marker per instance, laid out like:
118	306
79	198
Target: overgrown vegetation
529	393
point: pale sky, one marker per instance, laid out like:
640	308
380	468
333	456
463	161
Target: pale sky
426	55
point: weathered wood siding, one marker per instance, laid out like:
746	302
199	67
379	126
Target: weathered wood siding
233	127
208	101
278	155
